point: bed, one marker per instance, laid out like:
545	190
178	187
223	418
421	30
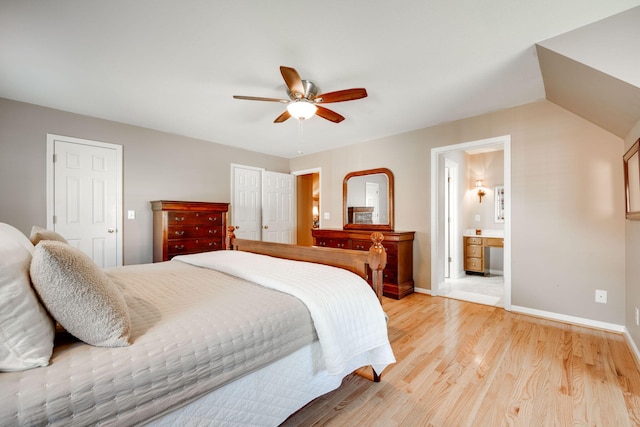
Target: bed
245	336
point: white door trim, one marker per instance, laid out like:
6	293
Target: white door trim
51	175
437	245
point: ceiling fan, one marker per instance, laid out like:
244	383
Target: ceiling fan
304	99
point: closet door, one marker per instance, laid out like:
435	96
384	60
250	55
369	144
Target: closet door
246	203
278	207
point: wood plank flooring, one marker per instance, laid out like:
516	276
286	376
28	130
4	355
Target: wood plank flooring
465	364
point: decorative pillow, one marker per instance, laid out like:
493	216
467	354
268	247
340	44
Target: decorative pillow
79	295
26	330
39	233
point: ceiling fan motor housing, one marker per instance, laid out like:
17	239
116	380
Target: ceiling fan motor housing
311	90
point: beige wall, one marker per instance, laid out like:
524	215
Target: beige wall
568	229
567	208
157	165
632	251
490	168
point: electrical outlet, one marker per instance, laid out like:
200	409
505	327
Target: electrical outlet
637	316
601	296
327	215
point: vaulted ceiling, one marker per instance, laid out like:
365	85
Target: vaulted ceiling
175	66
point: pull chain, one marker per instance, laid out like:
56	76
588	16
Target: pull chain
300	137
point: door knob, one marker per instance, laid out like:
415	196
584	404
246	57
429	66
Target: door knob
111	230
237	227
266	226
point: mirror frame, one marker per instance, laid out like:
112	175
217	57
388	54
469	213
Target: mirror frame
498	195
632	181
383	227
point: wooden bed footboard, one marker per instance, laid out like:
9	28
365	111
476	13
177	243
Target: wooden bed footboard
352	260
355	261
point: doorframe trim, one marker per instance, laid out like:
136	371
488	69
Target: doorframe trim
317	170
437	260
51	138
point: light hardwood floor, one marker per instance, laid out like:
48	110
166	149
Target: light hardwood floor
465	364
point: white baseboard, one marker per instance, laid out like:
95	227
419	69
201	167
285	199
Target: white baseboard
634	347
422	291
570	319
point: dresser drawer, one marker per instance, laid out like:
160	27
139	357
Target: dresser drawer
494	242
361	245
473	240
194	218
193	231
473	251
333	243
473	264
390	275
190	246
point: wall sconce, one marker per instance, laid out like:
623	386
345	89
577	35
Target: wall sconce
480	190
316	217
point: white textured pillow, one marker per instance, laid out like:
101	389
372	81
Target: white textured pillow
79	295
39	233
26	330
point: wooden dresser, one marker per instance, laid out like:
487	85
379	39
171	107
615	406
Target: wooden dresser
398	274
475	256
181	228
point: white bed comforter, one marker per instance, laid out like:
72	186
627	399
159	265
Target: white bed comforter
336	298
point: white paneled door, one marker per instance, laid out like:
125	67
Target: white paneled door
278	207
85	206
246	204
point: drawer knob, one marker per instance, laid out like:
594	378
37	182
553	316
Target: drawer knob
179	218
180	233
213	231
179	247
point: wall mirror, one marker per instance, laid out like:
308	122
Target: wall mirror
499	201
632	181
368	200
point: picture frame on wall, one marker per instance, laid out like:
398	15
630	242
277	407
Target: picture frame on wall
632	181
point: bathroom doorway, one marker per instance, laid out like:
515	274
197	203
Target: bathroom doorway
492	284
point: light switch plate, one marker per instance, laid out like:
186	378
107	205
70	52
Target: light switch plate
131	214
327	216
477	218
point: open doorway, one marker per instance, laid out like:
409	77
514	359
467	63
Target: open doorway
307	204
475	222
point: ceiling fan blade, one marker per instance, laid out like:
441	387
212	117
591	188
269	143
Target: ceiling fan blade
257	98
332	116
341	95
293	81
282	117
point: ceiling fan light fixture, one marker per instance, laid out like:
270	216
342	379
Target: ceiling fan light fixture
301	110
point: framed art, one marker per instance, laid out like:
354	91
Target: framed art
632	181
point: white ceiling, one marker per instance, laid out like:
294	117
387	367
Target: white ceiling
175	65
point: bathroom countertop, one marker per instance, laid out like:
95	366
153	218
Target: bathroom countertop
485	233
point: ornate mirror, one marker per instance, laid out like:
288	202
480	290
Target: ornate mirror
368	200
